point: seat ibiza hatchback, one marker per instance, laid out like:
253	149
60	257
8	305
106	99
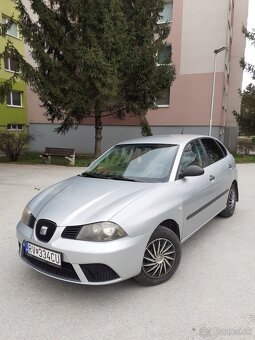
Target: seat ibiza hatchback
127	214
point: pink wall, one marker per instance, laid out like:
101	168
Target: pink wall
190	101
35	112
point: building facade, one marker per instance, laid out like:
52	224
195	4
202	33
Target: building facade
198	28
13	114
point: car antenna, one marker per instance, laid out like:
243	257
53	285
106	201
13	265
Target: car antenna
182	130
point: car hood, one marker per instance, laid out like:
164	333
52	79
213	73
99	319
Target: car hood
80	200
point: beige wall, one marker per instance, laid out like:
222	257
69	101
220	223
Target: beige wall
204	28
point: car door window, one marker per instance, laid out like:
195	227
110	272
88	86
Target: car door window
192	155
214	152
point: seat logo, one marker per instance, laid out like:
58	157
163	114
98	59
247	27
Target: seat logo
43	230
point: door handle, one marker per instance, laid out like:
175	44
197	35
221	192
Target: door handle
211	178
230	166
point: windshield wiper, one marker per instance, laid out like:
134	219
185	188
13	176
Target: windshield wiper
93	175
121	178
115	177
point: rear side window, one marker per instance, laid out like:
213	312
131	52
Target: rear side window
222	148
213	150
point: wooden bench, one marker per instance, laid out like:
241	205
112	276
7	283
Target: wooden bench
64	152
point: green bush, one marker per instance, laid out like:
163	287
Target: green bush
12	143
244	145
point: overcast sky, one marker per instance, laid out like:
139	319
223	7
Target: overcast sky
250	50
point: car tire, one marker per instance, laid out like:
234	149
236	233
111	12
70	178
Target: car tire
161	258
231	202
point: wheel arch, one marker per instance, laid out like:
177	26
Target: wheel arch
237	191
172	225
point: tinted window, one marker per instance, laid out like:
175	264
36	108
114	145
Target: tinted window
192	154
213	150
222	148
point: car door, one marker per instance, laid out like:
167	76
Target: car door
197	192
220	166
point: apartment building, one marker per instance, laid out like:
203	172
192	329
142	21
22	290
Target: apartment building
13	114
198	28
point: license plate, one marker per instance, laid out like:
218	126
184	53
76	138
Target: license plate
43	254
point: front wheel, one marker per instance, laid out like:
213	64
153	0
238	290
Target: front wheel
231	202
161	258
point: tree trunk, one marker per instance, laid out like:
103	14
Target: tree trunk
98	131
145	127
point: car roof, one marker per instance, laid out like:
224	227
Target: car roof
164	139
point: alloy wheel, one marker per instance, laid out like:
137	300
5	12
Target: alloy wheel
232	199
159	258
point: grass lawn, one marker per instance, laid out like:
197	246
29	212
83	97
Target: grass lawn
244	159
34	158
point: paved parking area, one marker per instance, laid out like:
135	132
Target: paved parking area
211	296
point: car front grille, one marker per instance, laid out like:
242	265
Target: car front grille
71	232
66	271
31	221
98	272
50	228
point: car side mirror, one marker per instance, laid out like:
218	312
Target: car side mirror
191	171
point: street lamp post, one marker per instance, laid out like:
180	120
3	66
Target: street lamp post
213	85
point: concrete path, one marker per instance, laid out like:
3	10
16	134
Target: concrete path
212	295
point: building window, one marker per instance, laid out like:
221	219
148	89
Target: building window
10	65
167	13
164	99
165	55
13	30
14	98
14	127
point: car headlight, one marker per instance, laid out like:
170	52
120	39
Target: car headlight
26	216
100	232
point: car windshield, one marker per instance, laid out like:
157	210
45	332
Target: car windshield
135	162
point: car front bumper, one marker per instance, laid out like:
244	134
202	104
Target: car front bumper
84	262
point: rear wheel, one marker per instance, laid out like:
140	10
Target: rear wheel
161	258
231	202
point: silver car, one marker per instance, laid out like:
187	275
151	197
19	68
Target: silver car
127	214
